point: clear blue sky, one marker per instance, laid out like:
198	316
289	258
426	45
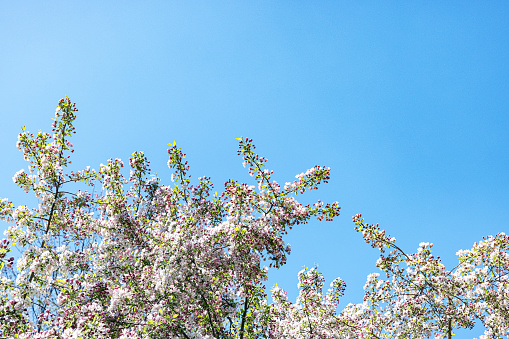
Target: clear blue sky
406	102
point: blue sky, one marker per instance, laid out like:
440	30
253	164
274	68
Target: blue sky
406	102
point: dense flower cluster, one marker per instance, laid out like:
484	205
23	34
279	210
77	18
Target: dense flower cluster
148	260
143	260
418	298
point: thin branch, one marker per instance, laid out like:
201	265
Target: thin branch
243	323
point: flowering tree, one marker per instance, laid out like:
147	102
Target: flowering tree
143	260
147	260
418	299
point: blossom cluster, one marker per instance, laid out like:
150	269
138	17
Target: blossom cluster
142	259
414	297
147	260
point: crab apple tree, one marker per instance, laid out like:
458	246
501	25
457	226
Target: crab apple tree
143	259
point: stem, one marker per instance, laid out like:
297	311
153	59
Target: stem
47	225
243	323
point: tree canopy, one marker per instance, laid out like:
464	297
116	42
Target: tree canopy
147	259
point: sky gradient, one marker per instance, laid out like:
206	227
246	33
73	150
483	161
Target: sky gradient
406	102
